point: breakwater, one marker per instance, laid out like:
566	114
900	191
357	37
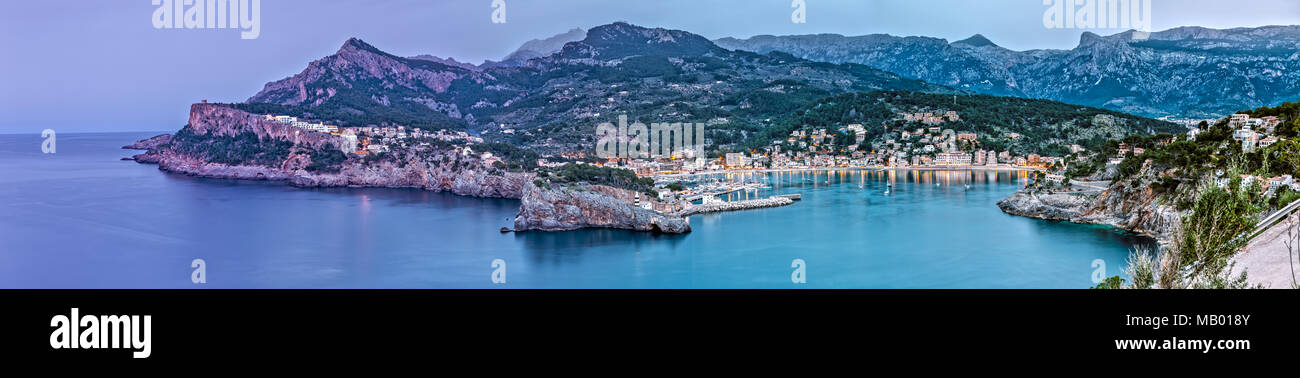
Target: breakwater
737	205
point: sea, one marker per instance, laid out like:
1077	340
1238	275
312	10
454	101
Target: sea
81	217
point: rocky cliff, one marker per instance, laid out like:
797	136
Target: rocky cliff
584	206
1136	209
440	170
222	120
432	168
148	144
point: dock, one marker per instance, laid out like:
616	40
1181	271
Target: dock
721	189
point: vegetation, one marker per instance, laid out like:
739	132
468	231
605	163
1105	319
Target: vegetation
1112	282
327	159
344	110
515	159
599	175
242	149
1288	112
1141	268
1044	127
1203	176
1216	229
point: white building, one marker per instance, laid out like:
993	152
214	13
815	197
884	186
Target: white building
952	159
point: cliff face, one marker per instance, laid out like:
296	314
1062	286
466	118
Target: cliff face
474	182
221	120
1133	209
561	209
1136	209
432	170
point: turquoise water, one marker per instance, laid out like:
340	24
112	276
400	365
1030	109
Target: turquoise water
80	218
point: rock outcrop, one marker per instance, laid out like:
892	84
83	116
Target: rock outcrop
1133	209
1060	206
438	170
149	144
223	120
582	206
445	169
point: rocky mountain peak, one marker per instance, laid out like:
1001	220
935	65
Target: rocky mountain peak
1088	39
355	44
621	39
445	61
977	40
536	48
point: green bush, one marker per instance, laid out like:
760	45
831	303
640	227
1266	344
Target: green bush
1112	282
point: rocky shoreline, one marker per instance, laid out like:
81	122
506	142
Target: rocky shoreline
589	206
436	170
1135	211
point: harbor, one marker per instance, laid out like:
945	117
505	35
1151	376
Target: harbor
721	206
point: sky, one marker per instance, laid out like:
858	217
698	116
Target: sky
101	65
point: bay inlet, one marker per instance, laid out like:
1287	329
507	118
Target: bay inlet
81	218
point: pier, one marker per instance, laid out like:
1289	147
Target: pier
718	207
714	190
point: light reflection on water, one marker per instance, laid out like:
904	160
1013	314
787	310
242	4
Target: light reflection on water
83	219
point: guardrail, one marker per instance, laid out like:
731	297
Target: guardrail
1272	219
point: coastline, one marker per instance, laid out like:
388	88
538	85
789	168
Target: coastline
1133	211
814	169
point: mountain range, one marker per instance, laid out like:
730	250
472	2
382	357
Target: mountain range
1187	72
556	101
551	93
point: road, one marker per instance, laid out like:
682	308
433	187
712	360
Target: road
1265	258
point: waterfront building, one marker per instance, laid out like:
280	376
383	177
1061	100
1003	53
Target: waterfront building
734	159
952	159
